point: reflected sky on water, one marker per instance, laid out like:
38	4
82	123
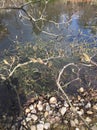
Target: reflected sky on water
79	24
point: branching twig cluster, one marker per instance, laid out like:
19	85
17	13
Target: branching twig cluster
12	69
87	59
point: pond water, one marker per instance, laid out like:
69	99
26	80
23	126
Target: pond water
77	22
65	23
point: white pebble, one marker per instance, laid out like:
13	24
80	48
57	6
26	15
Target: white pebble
47	126
27	110
81	112
34	117
77	129
47	108
53	100
89	112
88	120
66	104
88	105
33	127
33	111
95	107
40	107
40	126
72	123
76	121
28	119
63	110
81	90
29	115
31	107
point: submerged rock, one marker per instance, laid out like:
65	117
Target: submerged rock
63	110
40	126
33	127
53	100
47	126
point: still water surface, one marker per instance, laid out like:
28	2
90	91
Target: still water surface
78	22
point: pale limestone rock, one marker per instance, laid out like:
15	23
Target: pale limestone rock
47	107
88	120
34	117
95	107
40	126
81	90
40	106
28	119
72	123
88	105
81	112
63	110
77	129
94	127
46	114
33	127
47	126
33	111
31	107
27	110
53	100
76	121
89	112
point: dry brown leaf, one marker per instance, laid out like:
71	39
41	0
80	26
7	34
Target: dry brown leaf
86	57
49	64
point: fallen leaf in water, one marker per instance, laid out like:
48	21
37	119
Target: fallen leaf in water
86	57
6	62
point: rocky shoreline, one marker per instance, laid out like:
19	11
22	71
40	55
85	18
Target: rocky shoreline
47	112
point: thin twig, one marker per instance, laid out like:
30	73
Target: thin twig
66	96
29	62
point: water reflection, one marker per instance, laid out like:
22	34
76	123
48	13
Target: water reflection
77	21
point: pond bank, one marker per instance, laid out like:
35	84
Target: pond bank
81	1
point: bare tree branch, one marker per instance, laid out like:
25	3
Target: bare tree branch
66	96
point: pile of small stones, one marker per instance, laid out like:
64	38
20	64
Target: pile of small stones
45	112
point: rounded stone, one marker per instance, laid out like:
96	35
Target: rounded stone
63	110
53	100
28	119
33	127
47	107
31	107
81	90
47	126
95	107
46	114
89	112
88	120
72	123
88	105
40	126
27	110
34	117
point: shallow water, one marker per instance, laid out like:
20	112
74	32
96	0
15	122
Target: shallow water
78	24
